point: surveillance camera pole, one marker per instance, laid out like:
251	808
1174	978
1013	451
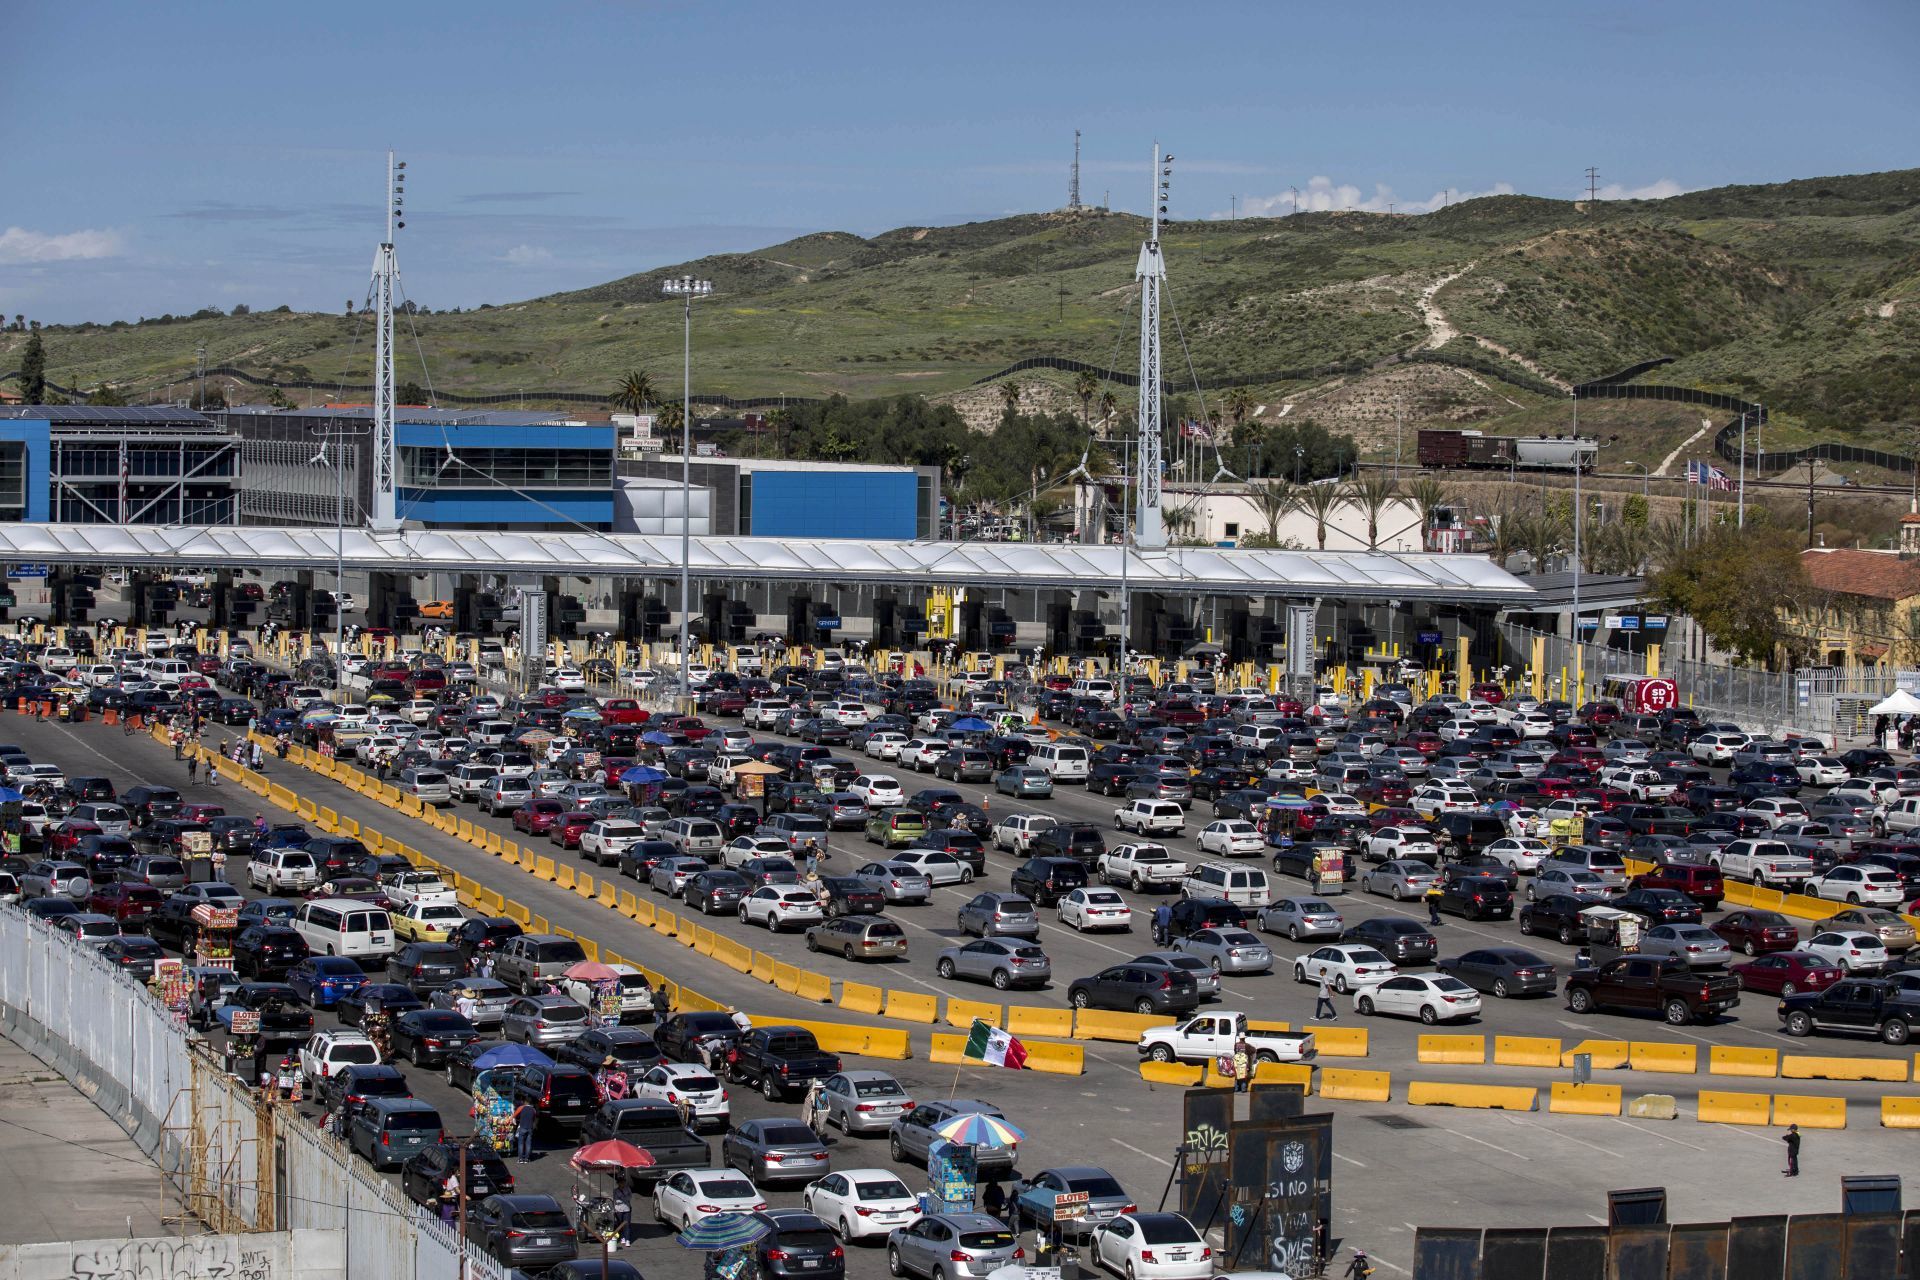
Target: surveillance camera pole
687	289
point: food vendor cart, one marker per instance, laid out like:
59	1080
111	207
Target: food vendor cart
210	945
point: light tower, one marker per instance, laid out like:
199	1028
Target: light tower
1073	182
1151	273
384	512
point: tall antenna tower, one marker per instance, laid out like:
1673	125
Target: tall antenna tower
1073	182
384	515
1593	184
1148	530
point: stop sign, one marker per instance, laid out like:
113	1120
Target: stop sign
1659	695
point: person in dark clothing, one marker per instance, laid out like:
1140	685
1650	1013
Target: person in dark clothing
1162	924
1792	1139
193	768
525	1119
994	1201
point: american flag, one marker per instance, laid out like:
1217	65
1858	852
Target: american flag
1707	474
1195	430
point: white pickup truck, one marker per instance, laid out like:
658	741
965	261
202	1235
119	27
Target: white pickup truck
423	887
1138	865
1147	817
1207	1036
1767	863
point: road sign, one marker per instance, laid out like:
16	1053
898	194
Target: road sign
1427	637
1655	622
1629	623
1069	1204
1614	624
1659	695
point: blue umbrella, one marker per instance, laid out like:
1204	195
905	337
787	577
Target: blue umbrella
722	1231
643	774
8	795
970	724
655	738
511	1055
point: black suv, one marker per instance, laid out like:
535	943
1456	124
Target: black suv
798	1245
563	1096
1047	880
1135	988
1080	841
1476	898
1194	914
1463	833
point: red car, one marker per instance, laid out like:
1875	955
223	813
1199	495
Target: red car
1393	816
1427	744
536	816
1785	973
1588	758
200	812
1289	707
1383	791
62	840
566	830
1553	788
392	671
1487	691
128	904
1757	932
623	711
426	681
1600	714
611	767
208	666
688	727
1181	711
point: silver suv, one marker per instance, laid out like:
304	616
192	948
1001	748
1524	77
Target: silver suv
529	961
913	1134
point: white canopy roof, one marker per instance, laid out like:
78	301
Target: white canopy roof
1897	703
1188	570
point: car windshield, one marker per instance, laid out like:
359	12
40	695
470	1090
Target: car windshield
788	1133
1096	1185
986	1239
1166	1229
876	1089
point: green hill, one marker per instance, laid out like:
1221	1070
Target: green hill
1800	293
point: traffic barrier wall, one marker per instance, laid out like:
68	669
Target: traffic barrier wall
1726	1060
1284	1073
583	884
703	940
1026	1020
326	818
1800	1066
1486	1097
762	970
732	954
489	901
946	1049
539	924
1339	1042
1122	1028
1584	1099
1653	1106
543	868
844	1037
683	931
665	922
1718	1107
281	796
609	896
588	947
1673	1059
910	1006
962	1013
858	997
1355	1085
786	977
1900	1113
1178	1074
1456	1050
494	842
1259	1024
515	911
814	986
1525	1051
1808	1111
1056	1058
562	876
510	850
1608	1055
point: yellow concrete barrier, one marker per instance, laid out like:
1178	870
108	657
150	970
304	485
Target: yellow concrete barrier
583	884
539	924
562	876
911	1006
1900	1113
1260	1024
1485	1097
812	986
328	820
961	1013
762	969
489	901
281	796
1808	1111
703	940
665	922
1284	1073
514	911
1026	1020
1726	1060
946	1049
857	997
786	977
1339	1042
1355	1085
589	947
1122	1028
1056	1058
1672	1059
510	851
1718	1107
1453	1050
1526	1051
1608	1055
543	869
734	955
1584	1099
1800	1066
609	896
1178	1074
629	904
843	1037
494	842
306	809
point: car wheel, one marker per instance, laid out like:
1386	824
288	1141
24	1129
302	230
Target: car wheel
1677	1013
1427	1014
893	1259
812	943
1896	1031
1566	935
1580	1001
1799	1023
899	1152
1000	980
1299	973
1080	999
1500	987
1749	948
944	968
1364	1005
769	1089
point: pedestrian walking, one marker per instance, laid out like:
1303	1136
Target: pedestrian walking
1323	1009
1162	924
1433	903
525	1118
1242	1064
1360	1268
193	768
1792	1139
812	1110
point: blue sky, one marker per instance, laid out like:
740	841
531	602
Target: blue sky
168	157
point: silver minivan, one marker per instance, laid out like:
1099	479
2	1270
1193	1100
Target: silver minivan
1605	863
429	786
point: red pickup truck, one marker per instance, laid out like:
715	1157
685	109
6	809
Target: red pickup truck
623	711
1702	884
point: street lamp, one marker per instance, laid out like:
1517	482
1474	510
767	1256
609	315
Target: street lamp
329	436
1646	479
687	289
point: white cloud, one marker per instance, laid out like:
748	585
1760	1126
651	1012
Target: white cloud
1664	189
1322	194
527	255
17	245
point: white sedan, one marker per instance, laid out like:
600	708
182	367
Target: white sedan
1086	909
1820	771
677	1082
742	849
1429	997
1520	853
885	745
781	906
1151	1246
937	865
1232	837
858	1203
1857	883
1342	805
1847	950
570	680
690	1195
1348	964
879	790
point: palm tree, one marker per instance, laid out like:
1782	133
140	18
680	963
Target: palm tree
1319	501
778	422
1109	408
672	416
1238	404
1428	495
1372	493
1010	395
635	393
1086	386
1272	499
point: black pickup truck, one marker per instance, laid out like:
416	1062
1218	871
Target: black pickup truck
1653	984
1887	1008
781	1060
656	1129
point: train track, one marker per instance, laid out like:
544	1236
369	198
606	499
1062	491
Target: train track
1666	484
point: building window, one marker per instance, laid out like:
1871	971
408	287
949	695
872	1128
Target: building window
422	468
1233	529
924	514
745	522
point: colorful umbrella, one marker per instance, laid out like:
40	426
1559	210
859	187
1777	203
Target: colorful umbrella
975	1128
591	971
609	1155
722	1231
511	1055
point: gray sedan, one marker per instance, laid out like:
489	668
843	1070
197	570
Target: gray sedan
1697	945
951	1244
937	866
1503	971
1401	879
1193	966
1002	915
895	881
1024	781
863	1101
1228	950
1003	962
484	1001
670	875
775	1150
1302	918
1587	886
543	1020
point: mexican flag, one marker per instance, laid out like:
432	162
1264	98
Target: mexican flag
994	1047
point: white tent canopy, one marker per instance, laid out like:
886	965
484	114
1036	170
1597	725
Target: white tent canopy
1897	703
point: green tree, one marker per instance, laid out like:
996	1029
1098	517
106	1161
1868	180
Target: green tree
1272	499
33	371
1109	409
106	394
1320	502
1010	396
1373	493
672	418
635	392
1085	387
1634	511
1238	405
1736	584
411	393
1428	495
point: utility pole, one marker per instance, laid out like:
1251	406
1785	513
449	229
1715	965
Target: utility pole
1740	521
1810	465
200	367
1296	198
1073	183
1593	187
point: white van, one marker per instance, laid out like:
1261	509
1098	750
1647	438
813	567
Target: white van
344	927
1099	690
168	669
1241	885
1063	761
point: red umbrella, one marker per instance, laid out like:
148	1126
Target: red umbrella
600	1157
